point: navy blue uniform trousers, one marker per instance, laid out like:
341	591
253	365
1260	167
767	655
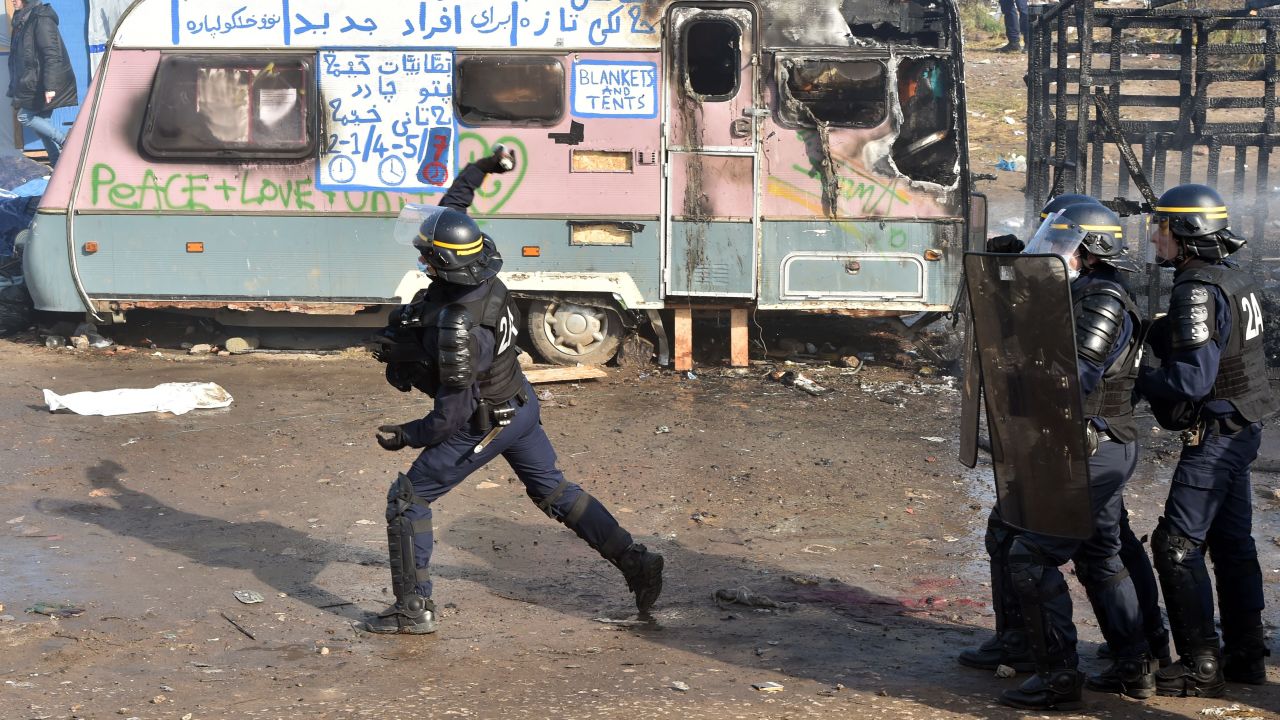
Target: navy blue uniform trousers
1210	503
527	449
1097	561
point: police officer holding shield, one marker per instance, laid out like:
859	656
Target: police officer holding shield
1088	237
456	343
1009	646
1212	385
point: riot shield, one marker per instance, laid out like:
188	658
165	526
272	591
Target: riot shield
1025	333
970	392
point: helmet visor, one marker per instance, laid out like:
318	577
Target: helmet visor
1161	245
415	219
1056	236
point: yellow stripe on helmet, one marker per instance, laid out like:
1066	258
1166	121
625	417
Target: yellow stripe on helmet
1113	229
1217	216
465	249
470	248
1218	209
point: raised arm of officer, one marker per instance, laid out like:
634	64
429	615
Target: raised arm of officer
1199	325
463	190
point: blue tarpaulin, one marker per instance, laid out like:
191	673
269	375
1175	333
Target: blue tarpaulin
22	182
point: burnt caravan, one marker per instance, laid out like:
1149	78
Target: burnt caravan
771	155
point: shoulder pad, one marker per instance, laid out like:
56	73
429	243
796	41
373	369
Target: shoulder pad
453	333
1099	321
1191	315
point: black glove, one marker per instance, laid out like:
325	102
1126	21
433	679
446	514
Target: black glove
392	437
1005	244
1159	337
502	160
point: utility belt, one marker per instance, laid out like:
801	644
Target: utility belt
489	415
1094	437
1218	425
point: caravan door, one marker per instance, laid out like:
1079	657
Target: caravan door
711	159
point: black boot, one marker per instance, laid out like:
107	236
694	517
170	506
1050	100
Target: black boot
643	571
412	615
1199	675
1010	47
1047	690
1005	648
1130	676
1243	654
1159	645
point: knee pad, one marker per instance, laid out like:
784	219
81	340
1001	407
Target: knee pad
1168	550
1026	568
997	538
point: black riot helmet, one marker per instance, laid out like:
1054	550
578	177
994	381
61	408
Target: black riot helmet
1061	202
1104	237
451	243
1196	215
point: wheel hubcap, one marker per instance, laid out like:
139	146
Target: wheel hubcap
575	329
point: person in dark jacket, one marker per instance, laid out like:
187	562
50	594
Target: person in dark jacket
40	75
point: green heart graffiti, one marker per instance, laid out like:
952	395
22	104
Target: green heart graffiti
491	198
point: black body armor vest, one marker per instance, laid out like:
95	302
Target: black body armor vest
1112	399
1242	369
415	325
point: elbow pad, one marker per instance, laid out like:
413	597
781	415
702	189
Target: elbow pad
1098	323
457	354
1192	321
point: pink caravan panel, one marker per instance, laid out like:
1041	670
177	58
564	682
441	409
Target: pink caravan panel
712	187
58	193
117	177
547	186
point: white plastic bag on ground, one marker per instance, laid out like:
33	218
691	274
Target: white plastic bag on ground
177	398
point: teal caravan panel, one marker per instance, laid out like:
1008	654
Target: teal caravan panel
878	264
712	258
640	259
314	257
249	256
47	269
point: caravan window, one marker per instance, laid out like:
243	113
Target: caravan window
712	56
845	93
509	90
231	106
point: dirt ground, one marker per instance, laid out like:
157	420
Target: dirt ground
849	508
849	505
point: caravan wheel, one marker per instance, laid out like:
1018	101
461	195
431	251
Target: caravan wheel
567	334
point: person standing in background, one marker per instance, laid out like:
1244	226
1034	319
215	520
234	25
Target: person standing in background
40	76
1016	25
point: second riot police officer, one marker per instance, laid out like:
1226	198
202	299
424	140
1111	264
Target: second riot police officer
1212	384
456	342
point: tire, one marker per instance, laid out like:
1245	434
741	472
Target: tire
569	334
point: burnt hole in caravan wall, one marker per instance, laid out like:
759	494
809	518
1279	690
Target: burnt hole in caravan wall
914	22
712	56
926	148
844	93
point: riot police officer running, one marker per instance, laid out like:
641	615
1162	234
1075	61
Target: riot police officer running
1009	645
1088	236
456	343
1211	383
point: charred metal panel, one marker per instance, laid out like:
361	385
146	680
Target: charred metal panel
1193	91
